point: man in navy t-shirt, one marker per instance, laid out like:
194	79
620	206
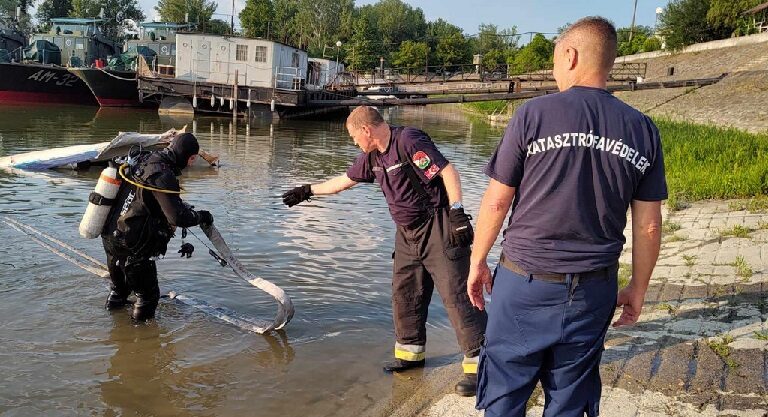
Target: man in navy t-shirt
569	166
432	243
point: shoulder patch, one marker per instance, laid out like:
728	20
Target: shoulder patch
421	159
434	169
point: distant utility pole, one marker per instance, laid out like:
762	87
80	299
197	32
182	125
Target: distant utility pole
632	26
233	17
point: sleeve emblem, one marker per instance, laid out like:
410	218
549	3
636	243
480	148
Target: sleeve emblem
421	160
434	169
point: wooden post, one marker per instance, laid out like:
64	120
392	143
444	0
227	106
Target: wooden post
234	97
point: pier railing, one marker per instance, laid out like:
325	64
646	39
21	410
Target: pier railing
468	72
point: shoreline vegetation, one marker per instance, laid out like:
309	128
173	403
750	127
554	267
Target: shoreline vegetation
703	162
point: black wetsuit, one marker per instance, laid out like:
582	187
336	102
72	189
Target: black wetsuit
140	225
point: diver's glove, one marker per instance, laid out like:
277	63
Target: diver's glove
186	250
297	195
461	228
205	217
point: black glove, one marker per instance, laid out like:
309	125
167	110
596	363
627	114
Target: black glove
205	217
461	228
186	250
297	195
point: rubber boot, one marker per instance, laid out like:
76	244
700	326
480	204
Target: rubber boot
115	301
143	309
141	274
467	387
399	365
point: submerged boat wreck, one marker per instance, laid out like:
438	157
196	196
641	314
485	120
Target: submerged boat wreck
82	155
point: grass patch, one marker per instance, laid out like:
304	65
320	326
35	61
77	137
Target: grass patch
761	335
736	231
707	162
690	260
487	107
675	238
762	225
757	204
666	307
721	349
742	267
625	273
677	202
668	227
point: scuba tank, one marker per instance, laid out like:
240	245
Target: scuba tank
100	203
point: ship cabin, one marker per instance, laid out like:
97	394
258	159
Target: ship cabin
160	38
257	62
80	41
12	41
324	74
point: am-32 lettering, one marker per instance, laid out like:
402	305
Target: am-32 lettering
45	76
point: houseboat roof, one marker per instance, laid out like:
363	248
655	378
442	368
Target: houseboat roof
236	38
170	25
74	21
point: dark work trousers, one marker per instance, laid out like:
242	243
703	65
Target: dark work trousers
426	257
553	332
130	273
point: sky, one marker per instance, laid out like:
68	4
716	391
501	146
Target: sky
528	15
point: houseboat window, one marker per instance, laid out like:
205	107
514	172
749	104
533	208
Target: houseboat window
79	44
295	60
261	54
241	53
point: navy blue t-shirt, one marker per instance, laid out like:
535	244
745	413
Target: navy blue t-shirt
404	203
577	160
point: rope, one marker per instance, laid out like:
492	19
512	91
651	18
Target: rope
101	271
115	76
285	309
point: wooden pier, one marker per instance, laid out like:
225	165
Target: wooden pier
301	103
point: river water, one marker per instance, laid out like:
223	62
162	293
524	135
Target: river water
62	354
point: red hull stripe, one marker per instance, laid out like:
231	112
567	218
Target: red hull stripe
30	97
118	102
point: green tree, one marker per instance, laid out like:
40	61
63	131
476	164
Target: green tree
200	11
283	25
448	44
217	27
453	49
49	9
684	22
319	23
639	36
361	54
651	44
728	15
535	56
85	8
256	17
411	55
398	22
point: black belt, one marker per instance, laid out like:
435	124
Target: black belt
506	263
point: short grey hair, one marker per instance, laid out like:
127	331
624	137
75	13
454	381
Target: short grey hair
599	30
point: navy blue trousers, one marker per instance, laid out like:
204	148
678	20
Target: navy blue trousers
551	332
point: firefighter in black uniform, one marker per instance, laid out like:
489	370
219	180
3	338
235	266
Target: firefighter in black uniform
143	220
432	244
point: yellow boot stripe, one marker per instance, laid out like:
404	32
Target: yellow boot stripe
409	356
469	368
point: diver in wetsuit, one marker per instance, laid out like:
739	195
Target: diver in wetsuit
143	219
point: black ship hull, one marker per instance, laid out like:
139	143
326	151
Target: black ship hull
111	88
38	83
